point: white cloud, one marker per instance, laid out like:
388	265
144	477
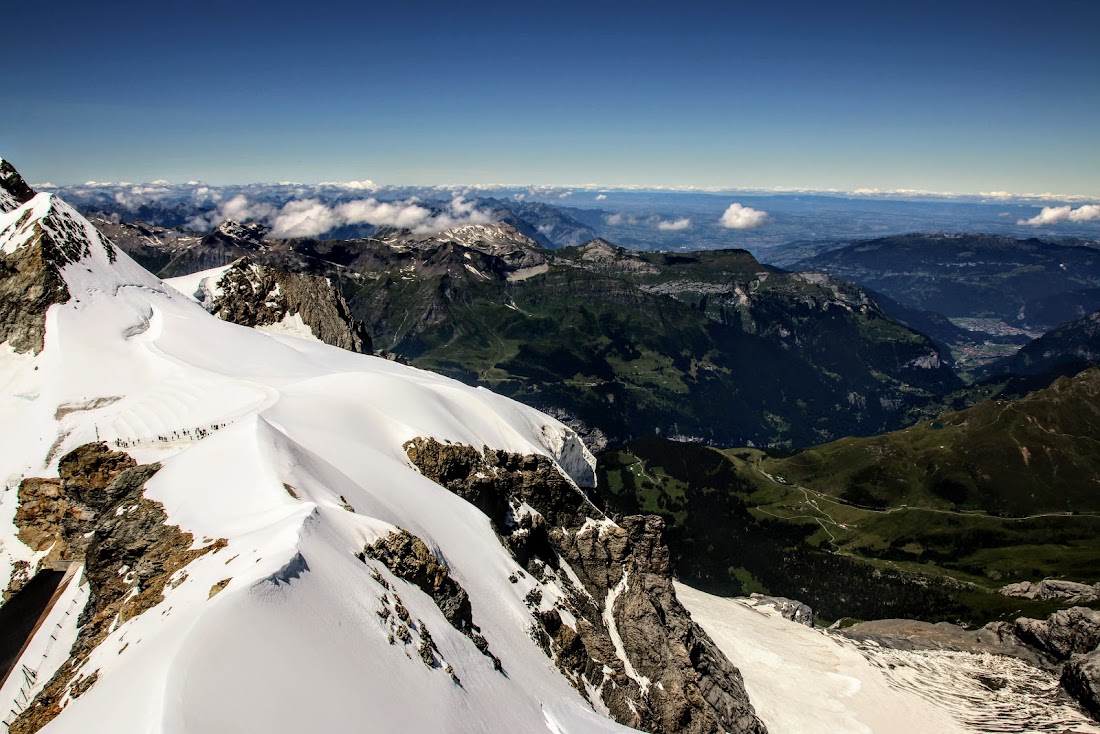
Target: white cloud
737	216
601	197
618	220
239	209
311	217
674	225
462	207
364	185
1057	214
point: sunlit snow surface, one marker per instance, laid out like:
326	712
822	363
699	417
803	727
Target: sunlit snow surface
294	642
810	681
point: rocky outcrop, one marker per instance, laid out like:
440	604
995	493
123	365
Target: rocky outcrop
256	295
129	551
1081	679
409	558
603	605
791	609
1069	639
1064	644
56	514
1070	591
1065	633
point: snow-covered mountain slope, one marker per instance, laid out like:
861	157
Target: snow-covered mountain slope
235	498
201	287
809	681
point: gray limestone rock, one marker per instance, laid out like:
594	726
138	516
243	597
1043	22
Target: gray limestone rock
1081	679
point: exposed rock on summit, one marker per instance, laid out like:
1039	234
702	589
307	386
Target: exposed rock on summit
14	191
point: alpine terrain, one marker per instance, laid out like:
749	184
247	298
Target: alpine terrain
222	513
250	517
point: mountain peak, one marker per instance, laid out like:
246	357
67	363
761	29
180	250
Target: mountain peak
49	253
45	220
248	236
14	191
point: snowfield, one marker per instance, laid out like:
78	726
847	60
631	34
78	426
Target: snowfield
241	419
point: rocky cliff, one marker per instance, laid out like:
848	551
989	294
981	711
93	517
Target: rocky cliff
95	513
601	594
39	236
254	295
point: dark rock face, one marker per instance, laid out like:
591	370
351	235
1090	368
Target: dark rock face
408	557
257	295
1081	679
129	553
28	283
154	248
49	235
13	189
1065	633
249	236
666	675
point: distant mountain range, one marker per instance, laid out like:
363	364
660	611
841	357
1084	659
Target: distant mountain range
638	219
1028	283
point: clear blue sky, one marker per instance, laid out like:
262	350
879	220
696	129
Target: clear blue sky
967	95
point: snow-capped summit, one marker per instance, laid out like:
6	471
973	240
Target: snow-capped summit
51	254
274	534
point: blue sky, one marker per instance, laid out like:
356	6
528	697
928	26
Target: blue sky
962	96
